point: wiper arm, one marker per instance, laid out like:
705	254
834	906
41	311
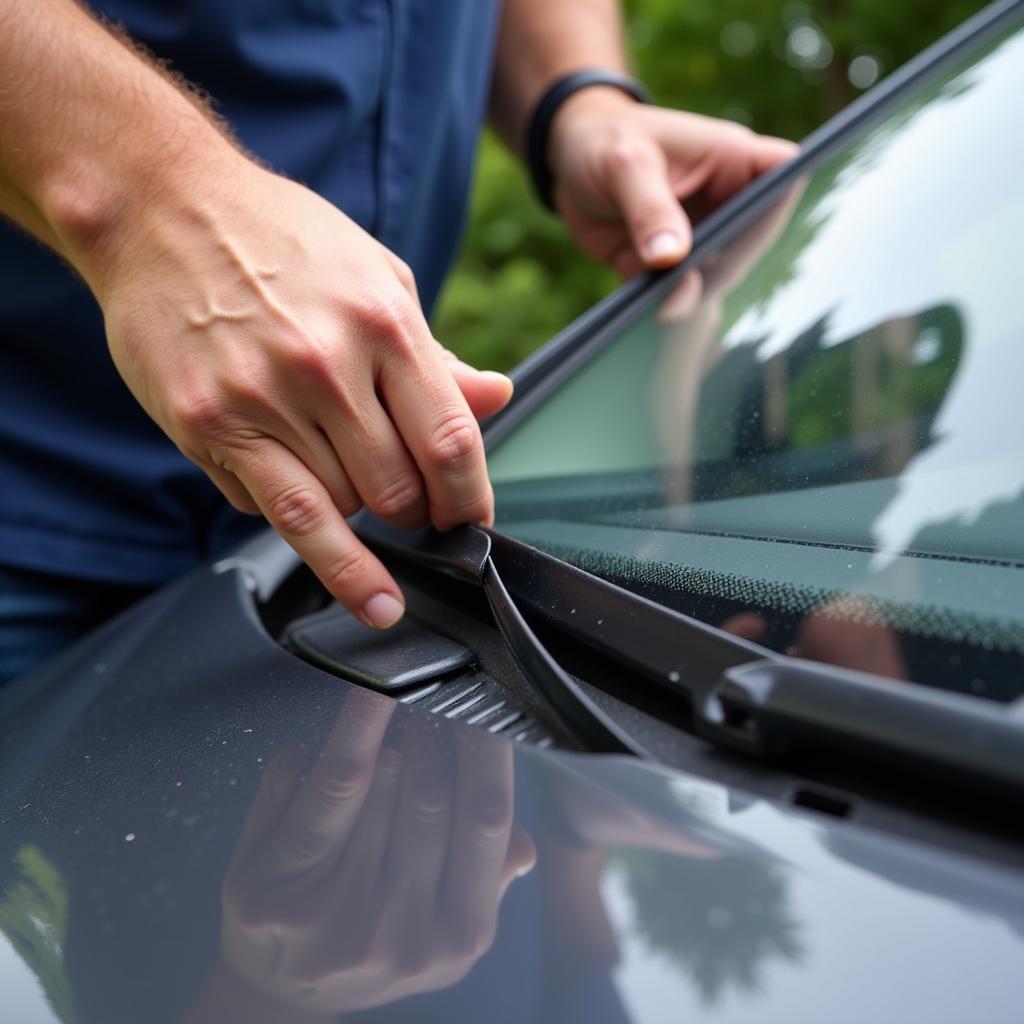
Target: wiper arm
743	696
577	712
466	553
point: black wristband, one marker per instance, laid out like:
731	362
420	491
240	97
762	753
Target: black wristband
540	124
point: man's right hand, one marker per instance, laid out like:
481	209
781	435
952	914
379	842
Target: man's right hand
278	345
284	351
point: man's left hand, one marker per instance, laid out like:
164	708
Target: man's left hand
630	179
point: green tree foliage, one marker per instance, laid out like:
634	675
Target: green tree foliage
783	67
34	919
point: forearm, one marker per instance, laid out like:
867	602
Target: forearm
90	132
541	40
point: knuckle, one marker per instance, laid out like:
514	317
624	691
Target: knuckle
348	505
390	319
342	780
298	511
345	570
202	412
429	799
404	274
395	497
248	388
306	355
492	815
308	845
454	442
627	153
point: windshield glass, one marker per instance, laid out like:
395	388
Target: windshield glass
816	440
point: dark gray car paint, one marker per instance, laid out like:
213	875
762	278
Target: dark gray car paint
131	762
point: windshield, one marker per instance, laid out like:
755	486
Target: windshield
816	441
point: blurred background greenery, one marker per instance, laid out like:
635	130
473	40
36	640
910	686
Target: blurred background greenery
780	66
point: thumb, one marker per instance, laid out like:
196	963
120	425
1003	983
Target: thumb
485	391
639	183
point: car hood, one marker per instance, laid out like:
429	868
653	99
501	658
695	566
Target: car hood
195	822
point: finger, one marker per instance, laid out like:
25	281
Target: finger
734	263
520	859
485	391
734	157
441	433
296	432
422	824
848	632
277	787
480	838
299	508
768	151
748	625
377	461
231	487
354	898
320	818
314	447
683	301
639	182
366	856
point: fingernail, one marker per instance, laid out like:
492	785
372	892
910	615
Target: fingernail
665	245
382	611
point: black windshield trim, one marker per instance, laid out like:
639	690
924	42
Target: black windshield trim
744	697
543	372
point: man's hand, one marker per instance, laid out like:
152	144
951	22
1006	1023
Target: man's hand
378	877
283	350
278	345
622	169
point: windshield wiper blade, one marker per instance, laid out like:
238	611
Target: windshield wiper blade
743	696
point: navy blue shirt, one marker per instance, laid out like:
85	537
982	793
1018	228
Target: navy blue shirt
376	105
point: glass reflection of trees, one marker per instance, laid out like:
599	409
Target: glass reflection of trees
866	401
721	923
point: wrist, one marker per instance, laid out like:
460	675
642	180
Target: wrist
99	201
580	113
596	101
543	144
